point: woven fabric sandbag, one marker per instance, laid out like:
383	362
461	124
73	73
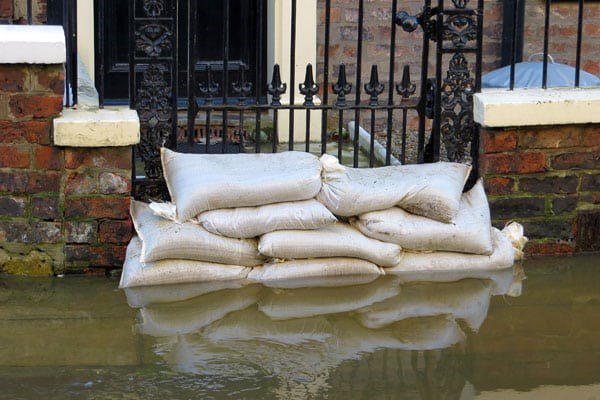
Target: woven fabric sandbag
249	222
322	272
336	240
502	257
470	233
202	182
135	273
164	239
430	190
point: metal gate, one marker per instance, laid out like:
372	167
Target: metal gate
218	110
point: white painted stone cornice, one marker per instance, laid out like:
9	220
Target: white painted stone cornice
32	44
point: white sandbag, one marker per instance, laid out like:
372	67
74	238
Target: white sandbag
164	239
430	190
469	233
192	315
468	300
309	302
323	272
502	257
202	182
135	273
249	222
336	240
143	296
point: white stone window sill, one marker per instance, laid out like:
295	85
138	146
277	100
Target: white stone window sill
32	44
496	108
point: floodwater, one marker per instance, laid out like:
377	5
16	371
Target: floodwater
492	336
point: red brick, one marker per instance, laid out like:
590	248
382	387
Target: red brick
14	181
555	137
97	207
26	131
50	78
13	78
111	183
522	163
551	248
81	183
6	9
104	157
48	157
549	184
14	157
39	182
12	206
499	186
588	160
116	231
46	208
96	256
495	141
36	106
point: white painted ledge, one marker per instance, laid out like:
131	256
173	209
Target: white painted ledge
108	127
496	108
32	44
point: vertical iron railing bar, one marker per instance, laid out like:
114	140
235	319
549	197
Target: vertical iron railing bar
175	75
100	52
326	76
340	134
191	81
390	116
437	117
292	73
423	94
478	73
226	4
546	44
513	49
403	146
29	12
259	78
579	43
361	11
132	77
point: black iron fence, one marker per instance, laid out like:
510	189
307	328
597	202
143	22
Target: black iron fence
513	38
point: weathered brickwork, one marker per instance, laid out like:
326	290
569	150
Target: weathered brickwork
547	178
15	11
62	210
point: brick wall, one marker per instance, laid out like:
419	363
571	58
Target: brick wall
62	210
547	178
15	11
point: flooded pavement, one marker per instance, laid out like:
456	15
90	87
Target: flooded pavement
502	335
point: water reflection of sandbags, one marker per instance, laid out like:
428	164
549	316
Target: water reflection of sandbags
306	302
143	296
192	315
251	324
467	300
507	281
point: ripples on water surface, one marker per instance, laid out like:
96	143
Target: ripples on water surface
491	336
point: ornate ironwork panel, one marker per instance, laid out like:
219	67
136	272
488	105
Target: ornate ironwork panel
153	88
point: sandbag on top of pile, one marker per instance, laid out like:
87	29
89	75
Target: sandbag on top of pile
135	273
430	190
202	182
249	222
164	239
470	233
336	240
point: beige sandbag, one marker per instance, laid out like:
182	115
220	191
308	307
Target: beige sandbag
502	257
336	240
202	182
164	239
467	300
309	302
430	190
469	233
135	273
322	272
192	315
249	222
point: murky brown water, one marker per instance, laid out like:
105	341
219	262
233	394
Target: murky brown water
501	337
